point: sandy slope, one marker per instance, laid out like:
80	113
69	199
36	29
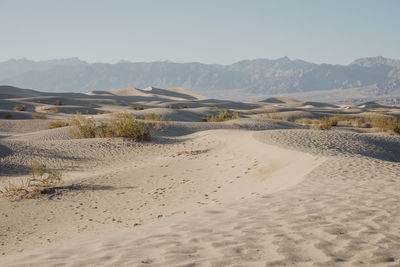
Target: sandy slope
248	192
346	212
152	181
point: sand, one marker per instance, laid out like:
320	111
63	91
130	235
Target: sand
247	192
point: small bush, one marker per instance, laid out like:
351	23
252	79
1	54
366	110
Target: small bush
38	116
359	122
158	122
136	107
102	112
387	124
176	107
57	124
40	182
20	107
58	103
84	128
304	121
126	125
7	115
121	125
275	116
223	115
324	123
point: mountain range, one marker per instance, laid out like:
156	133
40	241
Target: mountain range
378	75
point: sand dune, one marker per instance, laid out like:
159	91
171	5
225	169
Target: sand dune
246	192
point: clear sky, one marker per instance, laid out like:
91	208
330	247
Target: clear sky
208	31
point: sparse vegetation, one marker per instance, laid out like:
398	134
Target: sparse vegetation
84	127
39	182
388	124
138	107
176	107
359	122
20	107
57	124
324	123
158	122
121	125
223	115
7	116
38	116
103	112
58	103
275	116
306	121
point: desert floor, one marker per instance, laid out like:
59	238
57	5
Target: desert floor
253	191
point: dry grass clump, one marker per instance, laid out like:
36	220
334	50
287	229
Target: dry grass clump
158	122
7	115
57	124
324	123
223	115
38	116
388	124
40	182
121	125
20	107
84	127
360	122
102	112
136	107
176	107
306	121
126	125
58	103
274	116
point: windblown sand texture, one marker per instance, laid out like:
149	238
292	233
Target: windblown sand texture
247	192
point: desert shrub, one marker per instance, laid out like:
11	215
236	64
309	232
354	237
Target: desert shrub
84	127
158	122
324	123
304	121
223	115
176	107
126	125
57	124
58	103
388	124
7	115
275	116
359	122
20	107
121	125
138	107
38	116
102	112
40	181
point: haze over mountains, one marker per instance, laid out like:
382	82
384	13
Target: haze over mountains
366	78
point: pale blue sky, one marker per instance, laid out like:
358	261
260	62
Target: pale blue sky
208	31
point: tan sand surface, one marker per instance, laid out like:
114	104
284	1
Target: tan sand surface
246	192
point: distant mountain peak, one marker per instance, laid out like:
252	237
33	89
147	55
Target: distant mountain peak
378	60
256	76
